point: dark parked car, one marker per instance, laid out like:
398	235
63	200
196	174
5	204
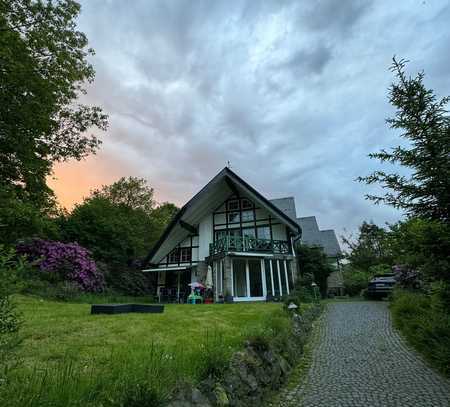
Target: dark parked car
381	286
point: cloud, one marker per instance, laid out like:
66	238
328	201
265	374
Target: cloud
293	94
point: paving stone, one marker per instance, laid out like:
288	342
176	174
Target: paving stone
359	360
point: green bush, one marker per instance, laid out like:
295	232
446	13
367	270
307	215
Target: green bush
355	281
425	323
11	271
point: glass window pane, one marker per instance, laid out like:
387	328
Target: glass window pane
276	281
239	278
220	234
290	275
256	288
233	217
247	204
283	277
268	279
250	232
233	205
247	216
263	232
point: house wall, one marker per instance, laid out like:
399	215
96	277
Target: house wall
205	231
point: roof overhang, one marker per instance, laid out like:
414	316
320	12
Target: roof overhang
207	200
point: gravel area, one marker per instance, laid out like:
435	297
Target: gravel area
360	360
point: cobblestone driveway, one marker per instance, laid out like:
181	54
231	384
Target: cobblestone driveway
359	360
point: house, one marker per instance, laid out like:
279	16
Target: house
231	238
326	239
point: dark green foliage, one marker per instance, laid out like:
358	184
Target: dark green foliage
425	323
12	269
43	70
355	281
312	261
370	248
423	245
115	234
129	281
425	124
132	192
20	218
119	224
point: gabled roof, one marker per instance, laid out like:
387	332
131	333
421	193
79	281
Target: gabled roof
286	205
213	194
313	236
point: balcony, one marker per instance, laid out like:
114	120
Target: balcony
248	244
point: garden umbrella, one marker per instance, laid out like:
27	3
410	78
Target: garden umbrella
196	284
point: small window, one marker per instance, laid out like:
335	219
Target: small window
233	217
233	205
185	254
174	256
246	204
247	216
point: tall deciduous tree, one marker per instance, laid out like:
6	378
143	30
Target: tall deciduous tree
370	248
131	192
425	124
43	71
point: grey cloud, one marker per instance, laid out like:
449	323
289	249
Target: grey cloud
308	61
292	93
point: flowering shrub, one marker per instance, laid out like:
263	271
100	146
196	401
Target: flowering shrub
64	261
406	276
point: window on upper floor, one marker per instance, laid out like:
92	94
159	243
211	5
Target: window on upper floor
247	204
233	217
263	232
247	216
174	256
185	254
233	205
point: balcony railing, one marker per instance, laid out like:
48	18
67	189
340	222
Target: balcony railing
248	244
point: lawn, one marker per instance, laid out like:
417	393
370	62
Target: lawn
70	357
55	330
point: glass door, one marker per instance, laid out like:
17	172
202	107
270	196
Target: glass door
240	278
249	282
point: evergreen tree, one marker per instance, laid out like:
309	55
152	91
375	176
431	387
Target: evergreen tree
424	123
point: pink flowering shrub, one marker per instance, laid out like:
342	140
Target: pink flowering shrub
64	262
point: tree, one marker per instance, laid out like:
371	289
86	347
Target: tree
371	247
132	192
43	70
115	234
424	246
312	261
425	124
163	214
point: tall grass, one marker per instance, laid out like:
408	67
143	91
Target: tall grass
425	324
141	376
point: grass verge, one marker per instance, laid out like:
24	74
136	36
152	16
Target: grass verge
425	325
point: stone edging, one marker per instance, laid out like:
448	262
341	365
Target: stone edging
252	373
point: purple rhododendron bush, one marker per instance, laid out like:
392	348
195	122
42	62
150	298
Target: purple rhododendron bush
64	262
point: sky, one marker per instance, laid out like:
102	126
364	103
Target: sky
293	94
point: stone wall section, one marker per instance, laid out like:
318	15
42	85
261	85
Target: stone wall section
251	374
